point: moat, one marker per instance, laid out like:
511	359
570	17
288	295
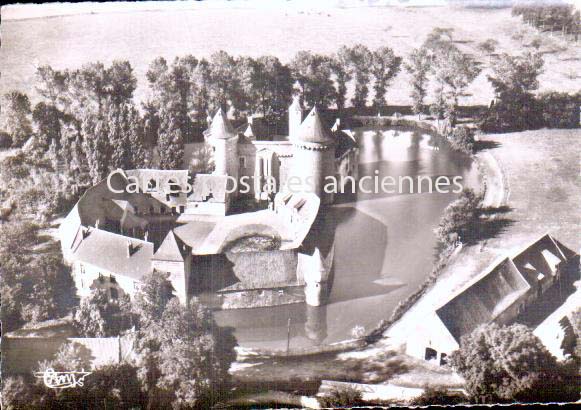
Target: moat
384	245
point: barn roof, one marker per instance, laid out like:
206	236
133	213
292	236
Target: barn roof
490	294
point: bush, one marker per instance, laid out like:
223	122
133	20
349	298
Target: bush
462	139
560	110
438	396
343	397
525	112
517	113
459	217
5	140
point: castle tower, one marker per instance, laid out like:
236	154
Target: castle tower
313	157
175	258
314	274
295	117
224	140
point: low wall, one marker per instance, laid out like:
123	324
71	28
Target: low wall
262	297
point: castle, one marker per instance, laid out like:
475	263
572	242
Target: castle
310	153
113	237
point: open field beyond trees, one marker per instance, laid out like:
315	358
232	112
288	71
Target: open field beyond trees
139	37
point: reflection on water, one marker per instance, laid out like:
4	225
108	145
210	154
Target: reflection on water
384	245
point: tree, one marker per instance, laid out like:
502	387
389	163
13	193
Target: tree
97	147
385	65
224	87
34	288
341	68
100	316
266	84
185	357
360	59
16	117
459	217
170	142
509	363
462	139
313	73
453	71
513	79
418	66
154	294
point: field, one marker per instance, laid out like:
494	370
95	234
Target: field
141	36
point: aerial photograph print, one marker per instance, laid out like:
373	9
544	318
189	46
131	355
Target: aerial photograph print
256	204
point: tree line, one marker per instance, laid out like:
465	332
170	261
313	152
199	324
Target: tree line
550	16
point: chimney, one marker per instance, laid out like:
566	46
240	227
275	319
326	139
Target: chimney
250	119
129	248
84	232
97	223
145	235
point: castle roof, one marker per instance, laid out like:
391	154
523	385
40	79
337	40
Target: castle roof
312	130
169	250
221	127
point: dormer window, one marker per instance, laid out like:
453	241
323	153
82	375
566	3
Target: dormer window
152	185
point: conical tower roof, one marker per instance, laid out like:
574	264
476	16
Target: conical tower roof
313	130
169	250
221	127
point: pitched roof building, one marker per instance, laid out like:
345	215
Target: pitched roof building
498	295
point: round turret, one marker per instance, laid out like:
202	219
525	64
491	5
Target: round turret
314	156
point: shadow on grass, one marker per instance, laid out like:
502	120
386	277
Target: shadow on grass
485	145
494	210
485	229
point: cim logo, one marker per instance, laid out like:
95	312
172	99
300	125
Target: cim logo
62	380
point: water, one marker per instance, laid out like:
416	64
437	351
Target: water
384	245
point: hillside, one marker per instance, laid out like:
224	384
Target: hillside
141	36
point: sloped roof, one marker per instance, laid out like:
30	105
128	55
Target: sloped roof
194	233
109	251
169	250
484	299
221	127
209	188
312	130
343	143
492	293
541	257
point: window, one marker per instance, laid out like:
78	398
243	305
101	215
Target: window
443	359
242	162
151	210
136	210
114	293
135	285
430	354
152	185
112	279
182	209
